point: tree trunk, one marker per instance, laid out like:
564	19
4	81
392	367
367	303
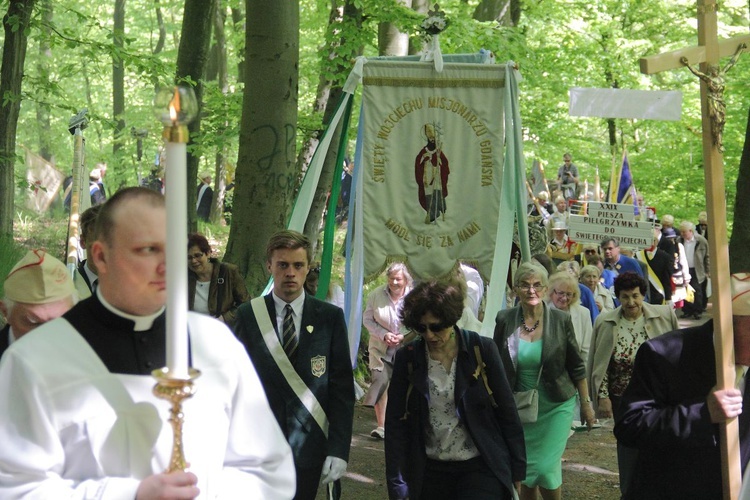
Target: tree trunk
238	22
15	25
391	41
739	242
195	39
43	108
266	171
506	12
220	182
329	96
416	44
118	78
162	29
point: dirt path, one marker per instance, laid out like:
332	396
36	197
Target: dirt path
589	464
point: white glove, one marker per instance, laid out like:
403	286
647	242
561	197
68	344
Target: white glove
333	469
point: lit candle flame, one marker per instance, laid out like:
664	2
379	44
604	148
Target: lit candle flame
174	106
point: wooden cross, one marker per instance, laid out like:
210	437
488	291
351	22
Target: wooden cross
708	52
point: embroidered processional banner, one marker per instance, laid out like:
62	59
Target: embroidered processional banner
432	162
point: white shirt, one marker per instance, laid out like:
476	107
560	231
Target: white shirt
297	306
689	251
200	300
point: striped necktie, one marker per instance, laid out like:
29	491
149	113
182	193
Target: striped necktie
289	338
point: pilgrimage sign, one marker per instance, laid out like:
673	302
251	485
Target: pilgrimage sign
707	53
611	220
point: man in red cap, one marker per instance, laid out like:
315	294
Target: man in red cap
38	289
672	408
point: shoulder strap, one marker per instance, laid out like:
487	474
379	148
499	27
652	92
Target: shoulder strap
410	368
483	373
298	386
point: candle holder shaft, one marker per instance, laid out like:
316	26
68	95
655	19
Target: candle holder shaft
175	390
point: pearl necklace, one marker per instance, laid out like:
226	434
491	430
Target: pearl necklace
529	329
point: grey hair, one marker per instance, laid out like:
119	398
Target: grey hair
399	267
686	225
528	269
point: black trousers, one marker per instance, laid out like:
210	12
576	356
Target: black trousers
697	306
466	480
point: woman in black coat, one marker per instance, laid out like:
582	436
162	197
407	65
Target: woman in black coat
451	430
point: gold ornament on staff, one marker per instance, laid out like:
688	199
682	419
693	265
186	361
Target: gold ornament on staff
176	106
175	391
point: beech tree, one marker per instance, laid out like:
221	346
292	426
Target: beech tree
266	168
15	26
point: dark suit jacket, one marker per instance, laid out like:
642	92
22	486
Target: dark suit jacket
662	264
496	432
323	334
562	364
4	340
84	274
664	414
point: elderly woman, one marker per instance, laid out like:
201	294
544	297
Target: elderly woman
591	278
214	288
538	348
382	320
563	294
617	336
452	427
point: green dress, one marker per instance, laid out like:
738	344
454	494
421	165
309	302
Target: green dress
546	438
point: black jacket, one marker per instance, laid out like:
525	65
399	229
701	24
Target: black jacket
496	431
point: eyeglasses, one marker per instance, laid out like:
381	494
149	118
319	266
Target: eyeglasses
589	251
433	327
568	295
315	270
526	287
195	256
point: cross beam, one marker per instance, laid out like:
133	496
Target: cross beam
708	52
671	60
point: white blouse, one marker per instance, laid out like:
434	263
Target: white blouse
446	439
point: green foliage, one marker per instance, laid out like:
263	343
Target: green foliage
558	44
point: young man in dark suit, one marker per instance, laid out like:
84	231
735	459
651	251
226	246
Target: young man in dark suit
300	348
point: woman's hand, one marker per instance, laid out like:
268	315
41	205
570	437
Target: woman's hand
393	339
587	414
605	407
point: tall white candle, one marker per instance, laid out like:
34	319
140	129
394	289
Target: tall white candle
177	265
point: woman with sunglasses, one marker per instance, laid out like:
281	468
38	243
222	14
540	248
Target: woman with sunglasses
452	431
538	348
617	336
214	288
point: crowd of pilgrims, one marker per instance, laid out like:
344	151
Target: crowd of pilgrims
446	400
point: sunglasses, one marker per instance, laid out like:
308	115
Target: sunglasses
433	327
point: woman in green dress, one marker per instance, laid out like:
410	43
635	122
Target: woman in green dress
533	337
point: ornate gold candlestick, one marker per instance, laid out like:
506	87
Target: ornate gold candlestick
175	390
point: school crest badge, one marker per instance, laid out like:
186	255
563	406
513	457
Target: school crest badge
318	365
